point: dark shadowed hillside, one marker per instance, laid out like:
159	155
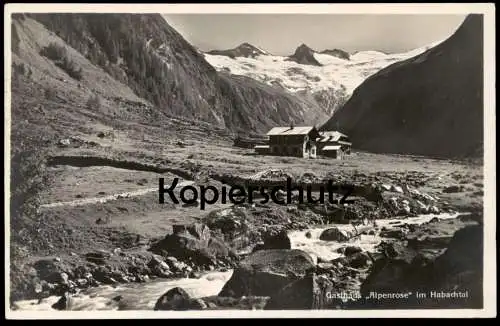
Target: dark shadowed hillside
431	104
146	54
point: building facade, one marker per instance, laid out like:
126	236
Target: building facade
293	141
306	142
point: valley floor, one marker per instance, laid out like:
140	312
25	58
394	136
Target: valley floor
102	178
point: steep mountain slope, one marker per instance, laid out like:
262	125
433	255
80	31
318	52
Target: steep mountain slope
257	104
431	104
151	58
30	38
327	77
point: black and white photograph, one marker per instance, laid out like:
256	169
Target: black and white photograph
250	160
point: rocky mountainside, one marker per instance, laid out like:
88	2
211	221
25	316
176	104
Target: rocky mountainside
327	78
257	105
431	104
144	54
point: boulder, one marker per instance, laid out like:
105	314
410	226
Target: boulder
159	267
385	187
458	269
397	189
197	304
405	210
351	250
277	240
64	278
240	303
98	257
428	242
396	250
324	266
38	288
211	305
265	272
309	292
435	219
174	299
321	260
52	271
421	208
453	189
464	253
406	189
235	227
171	260
104	274
64	303
473	217
393	233
434	209
358	260
81	282
334	234
64	142
387	275
390	275
194	242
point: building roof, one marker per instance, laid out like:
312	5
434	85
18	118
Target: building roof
285	131
331	148
261	147
330	136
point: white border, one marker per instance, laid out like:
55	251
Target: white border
489	285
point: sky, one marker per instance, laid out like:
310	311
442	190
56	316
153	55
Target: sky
281	34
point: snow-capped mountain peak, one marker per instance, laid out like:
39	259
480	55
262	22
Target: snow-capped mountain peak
303	47
304	55
245	50
327	76
337	53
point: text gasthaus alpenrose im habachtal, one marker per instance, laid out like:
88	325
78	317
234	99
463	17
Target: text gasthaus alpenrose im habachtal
399	295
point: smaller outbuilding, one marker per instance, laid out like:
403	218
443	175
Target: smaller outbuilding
334	144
